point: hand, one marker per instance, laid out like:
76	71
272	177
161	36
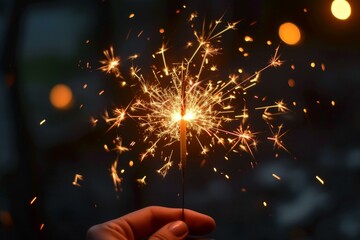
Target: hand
159	223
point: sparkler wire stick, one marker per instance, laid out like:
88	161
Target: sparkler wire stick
183	140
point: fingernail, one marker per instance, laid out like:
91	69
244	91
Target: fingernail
178	228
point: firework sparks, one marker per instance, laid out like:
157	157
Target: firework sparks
77	178
111	63
276	176
277	138
141	181
182	102
33	200
245	139
119	148
320	180
119	113
272	111
166	167
115	177
94	121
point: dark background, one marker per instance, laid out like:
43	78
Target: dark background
45	42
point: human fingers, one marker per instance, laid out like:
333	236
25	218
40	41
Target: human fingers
177	230
146	221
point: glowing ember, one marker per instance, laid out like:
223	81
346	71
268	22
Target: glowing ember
119	148
33	200
278	143
320	180
141	181
111	63
77	178
276	176
94	121
114	174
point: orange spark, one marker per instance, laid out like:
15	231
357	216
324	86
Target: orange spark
320	180
111	63
76	180
33	200
116	179
276	176
141	181
277	138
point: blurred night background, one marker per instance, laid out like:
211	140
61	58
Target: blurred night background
44	43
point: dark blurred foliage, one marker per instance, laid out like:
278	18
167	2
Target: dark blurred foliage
48	42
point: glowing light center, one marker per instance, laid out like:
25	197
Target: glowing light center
113	64
189	115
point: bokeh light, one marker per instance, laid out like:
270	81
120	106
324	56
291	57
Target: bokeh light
61	97
291	82
289	33
341	9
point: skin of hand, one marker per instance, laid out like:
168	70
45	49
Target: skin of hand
154	223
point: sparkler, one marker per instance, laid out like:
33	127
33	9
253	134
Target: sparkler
181	104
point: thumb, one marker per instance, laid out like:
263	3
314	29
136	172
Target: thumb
177	230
